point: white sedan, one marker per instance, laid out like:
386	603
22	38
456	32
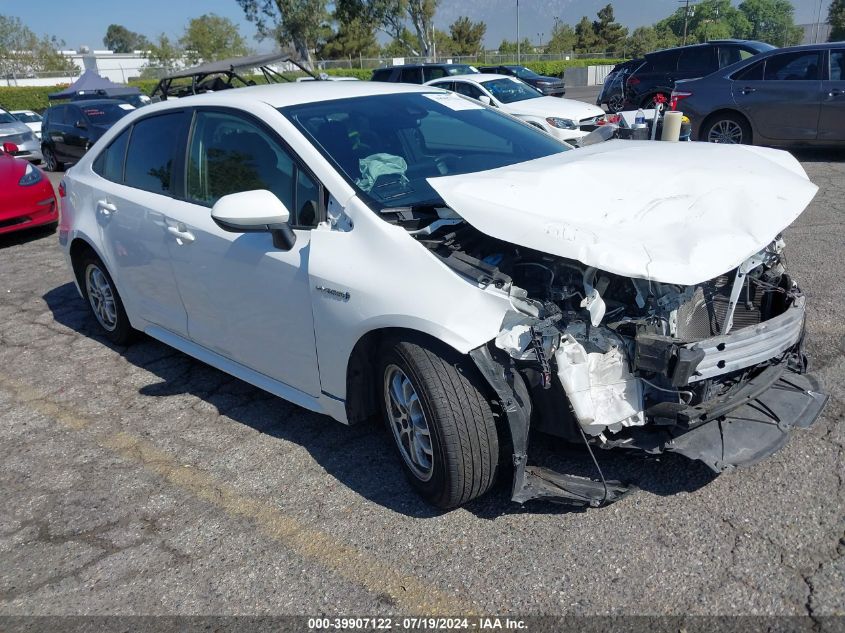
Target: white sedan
32	119
385	250
566	119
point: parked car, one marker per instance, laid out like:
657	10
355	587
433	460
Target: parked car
70	129
788	96
32	120
17	133
565	119
27	198
550	86
659	71
362	250
420	73
612	93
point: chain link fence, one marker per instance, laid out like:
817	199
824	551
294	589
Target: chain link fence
483	59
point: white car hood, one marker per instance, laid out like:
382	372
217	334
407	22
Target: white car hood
554	106
680	213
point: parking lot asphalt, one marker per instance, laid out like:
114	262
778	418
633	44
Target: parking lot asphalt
139	481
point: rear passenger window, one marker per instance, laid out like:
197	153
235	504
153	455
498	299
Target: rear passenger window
697	60
152	154
434	72
754	72
410	76
109	164
793	67
663	62
837	65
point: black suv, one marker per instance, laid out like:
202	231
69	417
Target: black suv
552	86
420	73
658	72
70	129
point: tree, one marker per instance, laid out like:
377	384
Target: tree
707	20
298	22
121	40
211	37
585	37
646	39
353	39
400	45
563	39
610	35
772	21
836	19
467	36
22	52
165	54
394	17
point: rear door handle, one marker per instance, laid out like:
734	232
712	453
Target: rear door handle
106	208
181	233
748	90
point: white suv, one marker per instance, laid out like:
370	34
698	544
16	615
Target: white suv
366	249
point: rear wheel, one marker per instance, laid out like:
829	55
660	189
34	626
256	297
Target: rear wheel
51	163
727	128
650	102
104	300
616	103
440	420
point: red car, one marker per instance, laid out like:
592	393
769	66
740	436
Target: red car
27	198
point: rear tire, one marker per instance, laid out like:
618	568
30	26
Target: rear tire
726	128
649	104
103	299
433	404
51	163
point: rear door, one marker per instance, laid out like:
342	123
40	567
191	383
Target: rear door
832	116
697	61
132	213
781	95
76	132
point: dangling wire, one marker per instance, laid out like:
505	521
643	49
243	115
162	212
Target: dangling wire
595	461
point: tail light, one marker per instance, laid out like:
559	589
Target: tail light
677	97
633	81
62	190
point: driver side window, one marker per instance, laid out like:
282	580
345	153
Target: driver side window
230	154
468	90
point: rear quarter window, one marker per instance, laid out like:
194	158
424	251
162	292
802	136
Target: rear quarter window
662	62
109	164
154	149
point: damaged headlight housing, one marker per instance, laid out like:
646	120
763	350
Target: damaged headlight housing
562	124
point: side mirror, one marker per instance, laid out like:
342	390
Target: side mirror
485	100
256	211
81	125
10	148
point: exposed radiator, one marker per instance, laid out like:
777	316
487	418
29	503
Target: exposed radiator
703	316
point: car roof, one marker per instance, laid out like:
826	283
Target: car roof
90	102
475	78
437	64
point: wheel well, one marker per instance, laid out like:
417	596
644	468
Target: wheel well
722	112
362	383
78	248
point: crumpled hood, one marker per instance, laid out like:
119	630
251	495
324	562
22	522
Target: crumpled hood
680	213
554	106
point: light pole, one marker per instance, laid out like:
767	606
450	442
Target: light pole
518	47
818	23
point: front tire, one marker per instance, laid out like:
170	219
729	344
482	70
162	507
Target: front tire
440	420
104	300
51	163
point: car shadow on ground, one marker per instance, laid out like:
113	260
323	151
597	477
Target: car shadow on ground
819	154
362	457
24	236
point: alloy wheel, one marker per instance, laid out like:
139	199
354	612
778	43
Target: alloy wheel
725	131
408	423
101	296
49	160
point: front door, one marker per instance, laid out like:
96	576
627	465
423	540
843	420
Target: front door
781	95
832	119
246	299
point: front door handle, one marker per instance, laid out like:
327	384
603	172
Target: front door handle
836	93
748	90
181	233
106	208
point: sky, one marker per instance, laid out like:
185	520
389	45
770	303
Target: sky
83	23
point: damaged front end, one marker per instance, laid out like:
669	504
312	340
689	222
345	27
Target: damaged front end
713	371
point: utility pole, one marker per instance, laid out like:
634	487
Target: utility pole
686	4
518	47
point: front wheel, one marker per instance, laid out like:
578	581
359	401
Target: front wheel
441	421
51	163
730	129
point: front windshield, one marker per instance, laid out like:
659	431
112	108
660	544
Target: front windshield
5	117
106	113
523	72
510	91
28	117
387	146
